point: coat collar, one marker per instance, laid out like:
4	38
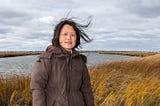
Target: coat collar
60	52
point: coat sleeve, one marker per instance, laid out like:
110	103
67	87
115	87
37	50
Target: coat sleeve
39	78
86	87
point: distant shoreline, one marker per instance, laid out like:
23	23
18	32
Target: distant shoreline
15	54
130	53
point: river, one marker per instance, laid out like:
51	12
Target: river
24	64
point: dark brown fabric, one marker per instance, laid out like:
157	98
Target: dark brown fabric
60	78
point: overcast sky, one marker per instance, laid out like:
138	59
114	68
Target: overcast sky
117	25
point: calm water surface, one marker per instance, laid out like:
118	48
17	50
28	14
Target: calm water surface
24	64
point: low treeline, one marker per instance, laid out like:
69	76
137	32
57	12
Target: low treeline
132	82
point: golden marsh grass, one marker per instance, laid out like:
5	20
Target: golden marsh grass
15	91
134	82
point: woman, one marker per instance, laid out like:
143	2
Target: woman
60	76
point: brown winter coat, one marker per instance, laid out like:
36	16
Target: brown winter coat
60	78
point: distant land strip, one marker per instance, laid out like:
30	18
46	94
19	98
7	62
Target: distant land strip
14	54
130	53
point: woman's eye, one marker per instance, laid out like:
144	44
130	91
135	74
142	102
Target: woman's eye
65	34
73	35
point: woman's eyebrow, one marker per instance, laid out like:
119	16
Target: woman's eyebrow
68	31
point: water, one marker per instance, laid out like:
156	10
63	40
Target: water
20	64
96	58
24	64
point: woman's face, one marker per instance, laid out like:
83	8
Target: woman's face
67	37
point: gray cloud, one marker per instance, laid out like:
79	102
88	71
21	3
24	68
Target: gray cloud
39	36
12	17
143	8
9	13
5	30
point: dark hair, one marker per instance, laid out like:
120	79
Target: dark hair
79	29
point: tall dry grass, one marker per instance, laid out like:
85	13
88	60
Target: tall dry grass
134	82
14	90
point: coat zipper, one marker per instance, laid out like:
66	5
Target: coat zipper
69	68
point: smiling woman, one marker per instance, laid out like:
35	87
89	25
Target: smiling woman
60	77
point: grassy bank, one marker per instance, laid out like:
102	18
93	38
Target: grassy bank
13	54
134	82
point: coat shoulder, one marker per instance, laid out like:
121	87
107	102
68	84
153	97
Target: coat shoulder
84	58
47	54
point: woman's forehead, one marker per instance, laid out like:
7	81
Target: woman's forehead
68	28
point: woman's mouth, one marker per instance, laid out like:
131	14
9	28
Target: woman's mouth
68	42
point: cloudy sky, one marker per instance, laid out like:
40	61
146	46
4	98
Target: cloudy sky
117	25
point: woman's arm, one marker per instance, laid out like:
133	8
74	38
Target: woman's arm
39	79
86	88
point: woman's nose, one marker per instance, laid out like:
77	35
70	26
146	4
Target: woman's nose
68	36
